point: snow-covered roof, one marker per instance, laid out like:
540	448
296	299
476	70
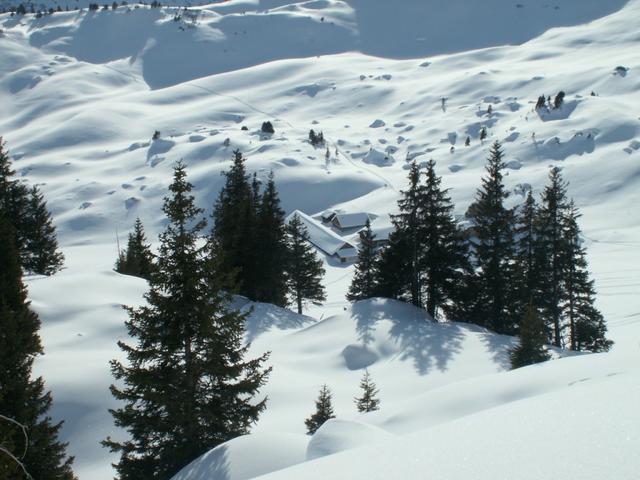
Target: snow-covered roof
351	220
322	237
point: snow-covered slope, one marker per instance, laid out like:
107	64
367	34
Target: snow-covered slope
82	93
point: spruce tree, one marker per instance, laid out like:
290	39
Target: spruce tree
587	328
443	255
391	268
42	254
324	411
369	400
186	386
304	269
235	225
136	259
271	248
14	199
363	284
22	398
532	338
494	249
527	268
550	255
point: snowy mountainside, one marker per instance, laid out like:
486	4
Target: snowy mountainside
83	93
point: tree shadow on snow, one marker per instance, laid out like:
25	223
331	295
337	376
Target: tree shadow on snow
419	339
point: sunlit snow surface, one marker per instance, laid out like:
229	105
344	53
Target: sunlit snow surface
82	94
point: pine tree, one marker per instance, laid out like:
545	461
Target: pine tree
186	387
551	248
363	284
22	398
443	257
494	249
235	225
324	411
137	259
369	400
587	328
42	254
304	269
532	340
271	247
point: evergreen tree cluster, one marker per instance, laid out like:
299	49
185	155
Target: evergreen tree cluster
29	444
316	139
511	261
26	210
272	262
186	386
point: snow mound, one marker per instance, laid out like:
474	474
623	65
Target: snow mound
378	158
247	457
339	435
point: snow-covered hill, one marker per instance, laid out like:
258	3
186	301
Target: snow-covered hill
82	93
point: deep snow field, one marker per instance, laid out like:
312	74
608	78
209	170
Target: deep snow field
82	93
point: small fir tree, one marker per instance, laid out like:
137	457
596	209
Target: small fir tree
137	259
186	386
363	284
324	411
369	400
22	398
304	269
532	338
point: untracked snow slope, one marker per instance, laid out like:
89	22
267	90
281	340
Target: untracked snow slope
83	92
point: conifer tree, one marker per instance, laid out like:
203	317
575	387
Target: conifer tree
42	254
137	259
235	225
551	248
532	338
271	247
527	265
391	268
443	257
304	269
587	329
324	411
407	226
22	398
494	249
186	385
369	400
363	284
13	200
